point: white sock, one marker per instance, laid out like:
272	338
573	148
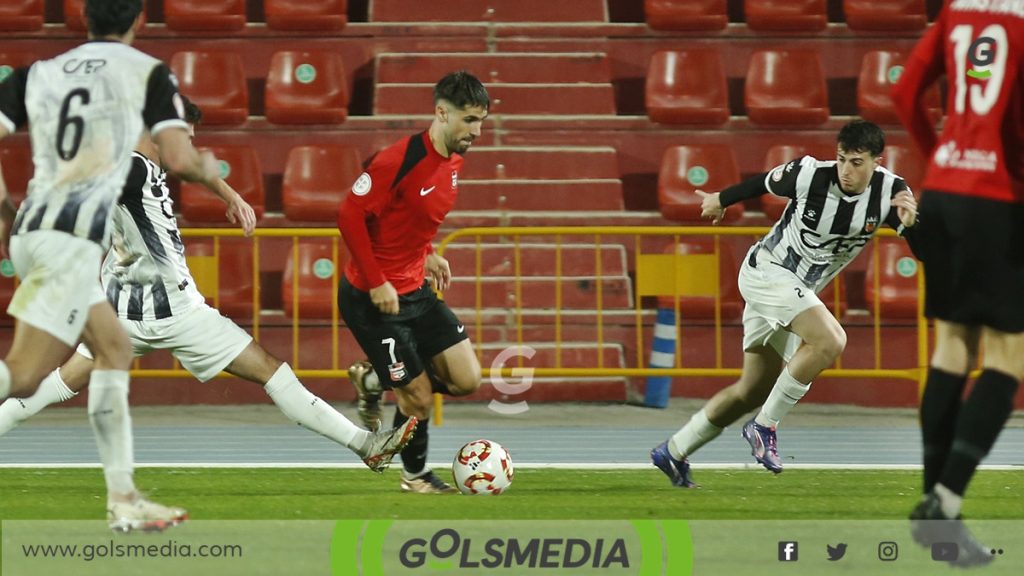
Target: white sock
949	500
696	433
112	426
5	380
785	394
16	410
303	407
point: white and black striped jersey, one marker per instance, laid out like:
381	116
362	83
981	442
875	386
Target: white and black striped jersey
145	275
86	110
822	228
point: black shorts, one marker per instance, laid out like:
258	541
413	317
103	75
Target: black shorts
401	346
973	252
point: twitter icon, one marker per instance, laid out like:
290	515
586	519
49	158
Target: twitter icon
836	552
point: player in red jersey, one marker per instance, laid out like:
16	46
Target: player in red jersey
973	245
415	344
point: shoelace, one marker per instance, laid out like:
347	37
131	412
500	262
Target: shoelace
772	441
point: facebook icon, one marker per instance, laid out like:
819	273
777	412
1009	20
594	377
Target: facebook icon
788	552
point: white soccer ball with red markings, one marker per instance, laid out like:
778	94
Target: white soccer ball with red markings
483	467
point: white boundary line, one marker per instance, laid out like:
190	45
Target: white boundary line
519	466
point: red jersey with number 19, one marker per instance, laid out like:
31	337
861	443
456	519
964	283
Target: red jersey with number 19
404	195
980	46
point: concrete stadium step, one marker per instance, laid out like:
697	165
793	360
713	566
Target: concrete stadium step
552	67
506	98
540	162
535	260
595	194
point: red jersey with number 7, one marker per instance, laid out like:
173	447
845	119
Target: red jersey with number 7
979	44
393	211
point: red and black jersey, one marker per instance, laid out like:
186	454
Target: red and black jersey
980	47
393	212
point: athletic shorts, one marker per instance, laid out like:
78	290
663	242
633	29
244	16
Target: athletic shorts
774	296
60	281
973	253
201	339
401	346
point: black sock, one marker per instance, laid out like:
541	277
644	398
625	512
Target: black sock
982	418
939	409
414	455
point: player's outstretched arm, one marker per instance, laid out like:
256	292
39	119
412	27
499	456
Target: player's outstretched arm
239	211
180	158
711	206
7	208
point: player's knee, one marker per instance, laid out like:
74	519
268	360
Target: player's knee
25	378
466	381
832	345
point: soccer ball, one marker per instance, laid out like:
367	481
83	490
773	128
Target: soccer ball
482	467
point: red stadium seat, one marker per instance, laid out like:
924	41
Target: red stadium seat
786	15
316	178
907	163
22	15
317	290
306	88
687	87
685	169
879	71
73	17
897	288
215	81
240	168
886	15
703	307
686	15
230	287
204	15
16	160
786	87
303	15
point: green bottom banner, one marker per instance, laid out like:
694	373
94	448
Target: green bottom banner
463	547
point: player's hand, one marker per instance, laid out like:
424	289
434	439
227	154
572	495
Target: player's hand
711	206
906	208
438	272
385	298
240	212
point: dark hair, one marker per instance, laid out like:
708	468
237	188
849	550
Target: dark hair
862	136
462	89
106	17
193	114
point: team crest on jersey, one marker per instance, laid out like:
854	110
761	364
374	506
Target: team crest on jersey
777	174
397	371
362	185
455	179
870	224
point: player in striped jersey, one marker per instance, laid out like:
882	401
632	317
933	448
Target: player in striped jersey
147	279
85	109
789	336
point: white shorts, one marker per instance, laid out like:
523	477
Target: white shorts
774	296
201	339
60	281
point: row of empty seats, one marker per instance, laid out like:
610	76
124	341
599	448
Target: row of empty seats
686	169
786	15
332	15
784	87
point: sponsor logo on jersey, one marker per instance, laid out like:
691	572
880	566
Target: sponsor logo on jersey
397	371
362	185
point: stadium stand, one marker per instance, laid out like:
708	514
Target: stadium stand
786	15
685	169
205	15
489	10
687	87
73	17
225	281
317	293
903	16
564	99
21	15
215	81
306	88
306	15
316	178
16	159
905	161
686	15
897	290
786	87
879	71
240	168
513	68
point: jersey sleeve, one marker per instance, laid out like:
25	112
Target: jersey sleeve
781	180
921	69
372	191
893	219
164	108
12	100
